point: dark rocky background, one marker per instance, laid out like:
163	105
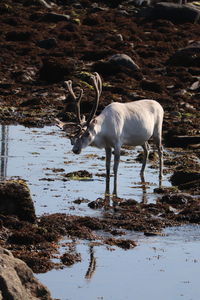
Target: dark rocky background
45	43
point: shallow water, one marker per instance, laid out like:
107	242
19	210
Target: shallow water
164	268
34	154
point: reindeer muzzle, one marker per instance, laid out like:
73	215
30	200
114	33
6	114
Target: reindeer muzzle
76	151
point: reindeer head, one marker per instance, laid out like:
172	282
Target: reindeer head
82	132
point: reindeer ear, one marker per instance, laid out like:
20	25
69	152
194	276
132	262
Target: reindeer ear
94	121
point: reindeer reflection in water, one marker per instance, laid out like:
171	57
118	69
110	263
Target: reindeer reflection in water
132	123
92	264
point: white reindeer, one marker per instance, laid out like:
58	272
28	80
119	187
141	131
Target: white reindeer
132	123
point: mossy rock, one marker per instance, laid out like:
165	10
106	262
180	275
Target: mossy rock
79	175
15	199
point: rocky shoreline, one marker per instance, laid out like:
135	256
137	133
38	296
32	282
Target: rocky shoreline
141	50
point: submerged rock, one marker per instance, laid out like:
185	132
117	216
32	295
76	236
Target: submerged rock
15	199
17	280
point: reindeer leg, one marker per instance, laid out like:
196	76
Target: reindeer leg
145	147
108	160
116	164
160	153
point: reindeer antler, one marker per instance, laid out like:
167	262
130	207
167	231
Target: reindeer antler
97	83
77	100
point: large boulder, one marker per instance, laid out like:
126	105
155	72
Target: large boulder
188	56
186	180
15	199
176	13
17	281
116	63
124	61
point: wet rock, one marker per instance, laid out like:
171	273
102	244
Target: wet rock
183	177
96	204
96	8
190	213
41	2
47	44
116	63
122	243
78	174
188	56
81	200
17	280
37	3
128	203
15	199
154	233
195	86
176	13
56	170
177	200
69	259
123	60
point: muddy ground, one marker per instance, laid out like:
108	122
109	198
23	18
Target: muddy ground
43	46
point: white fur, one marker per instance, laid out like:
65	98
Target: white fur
119	124
130	123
